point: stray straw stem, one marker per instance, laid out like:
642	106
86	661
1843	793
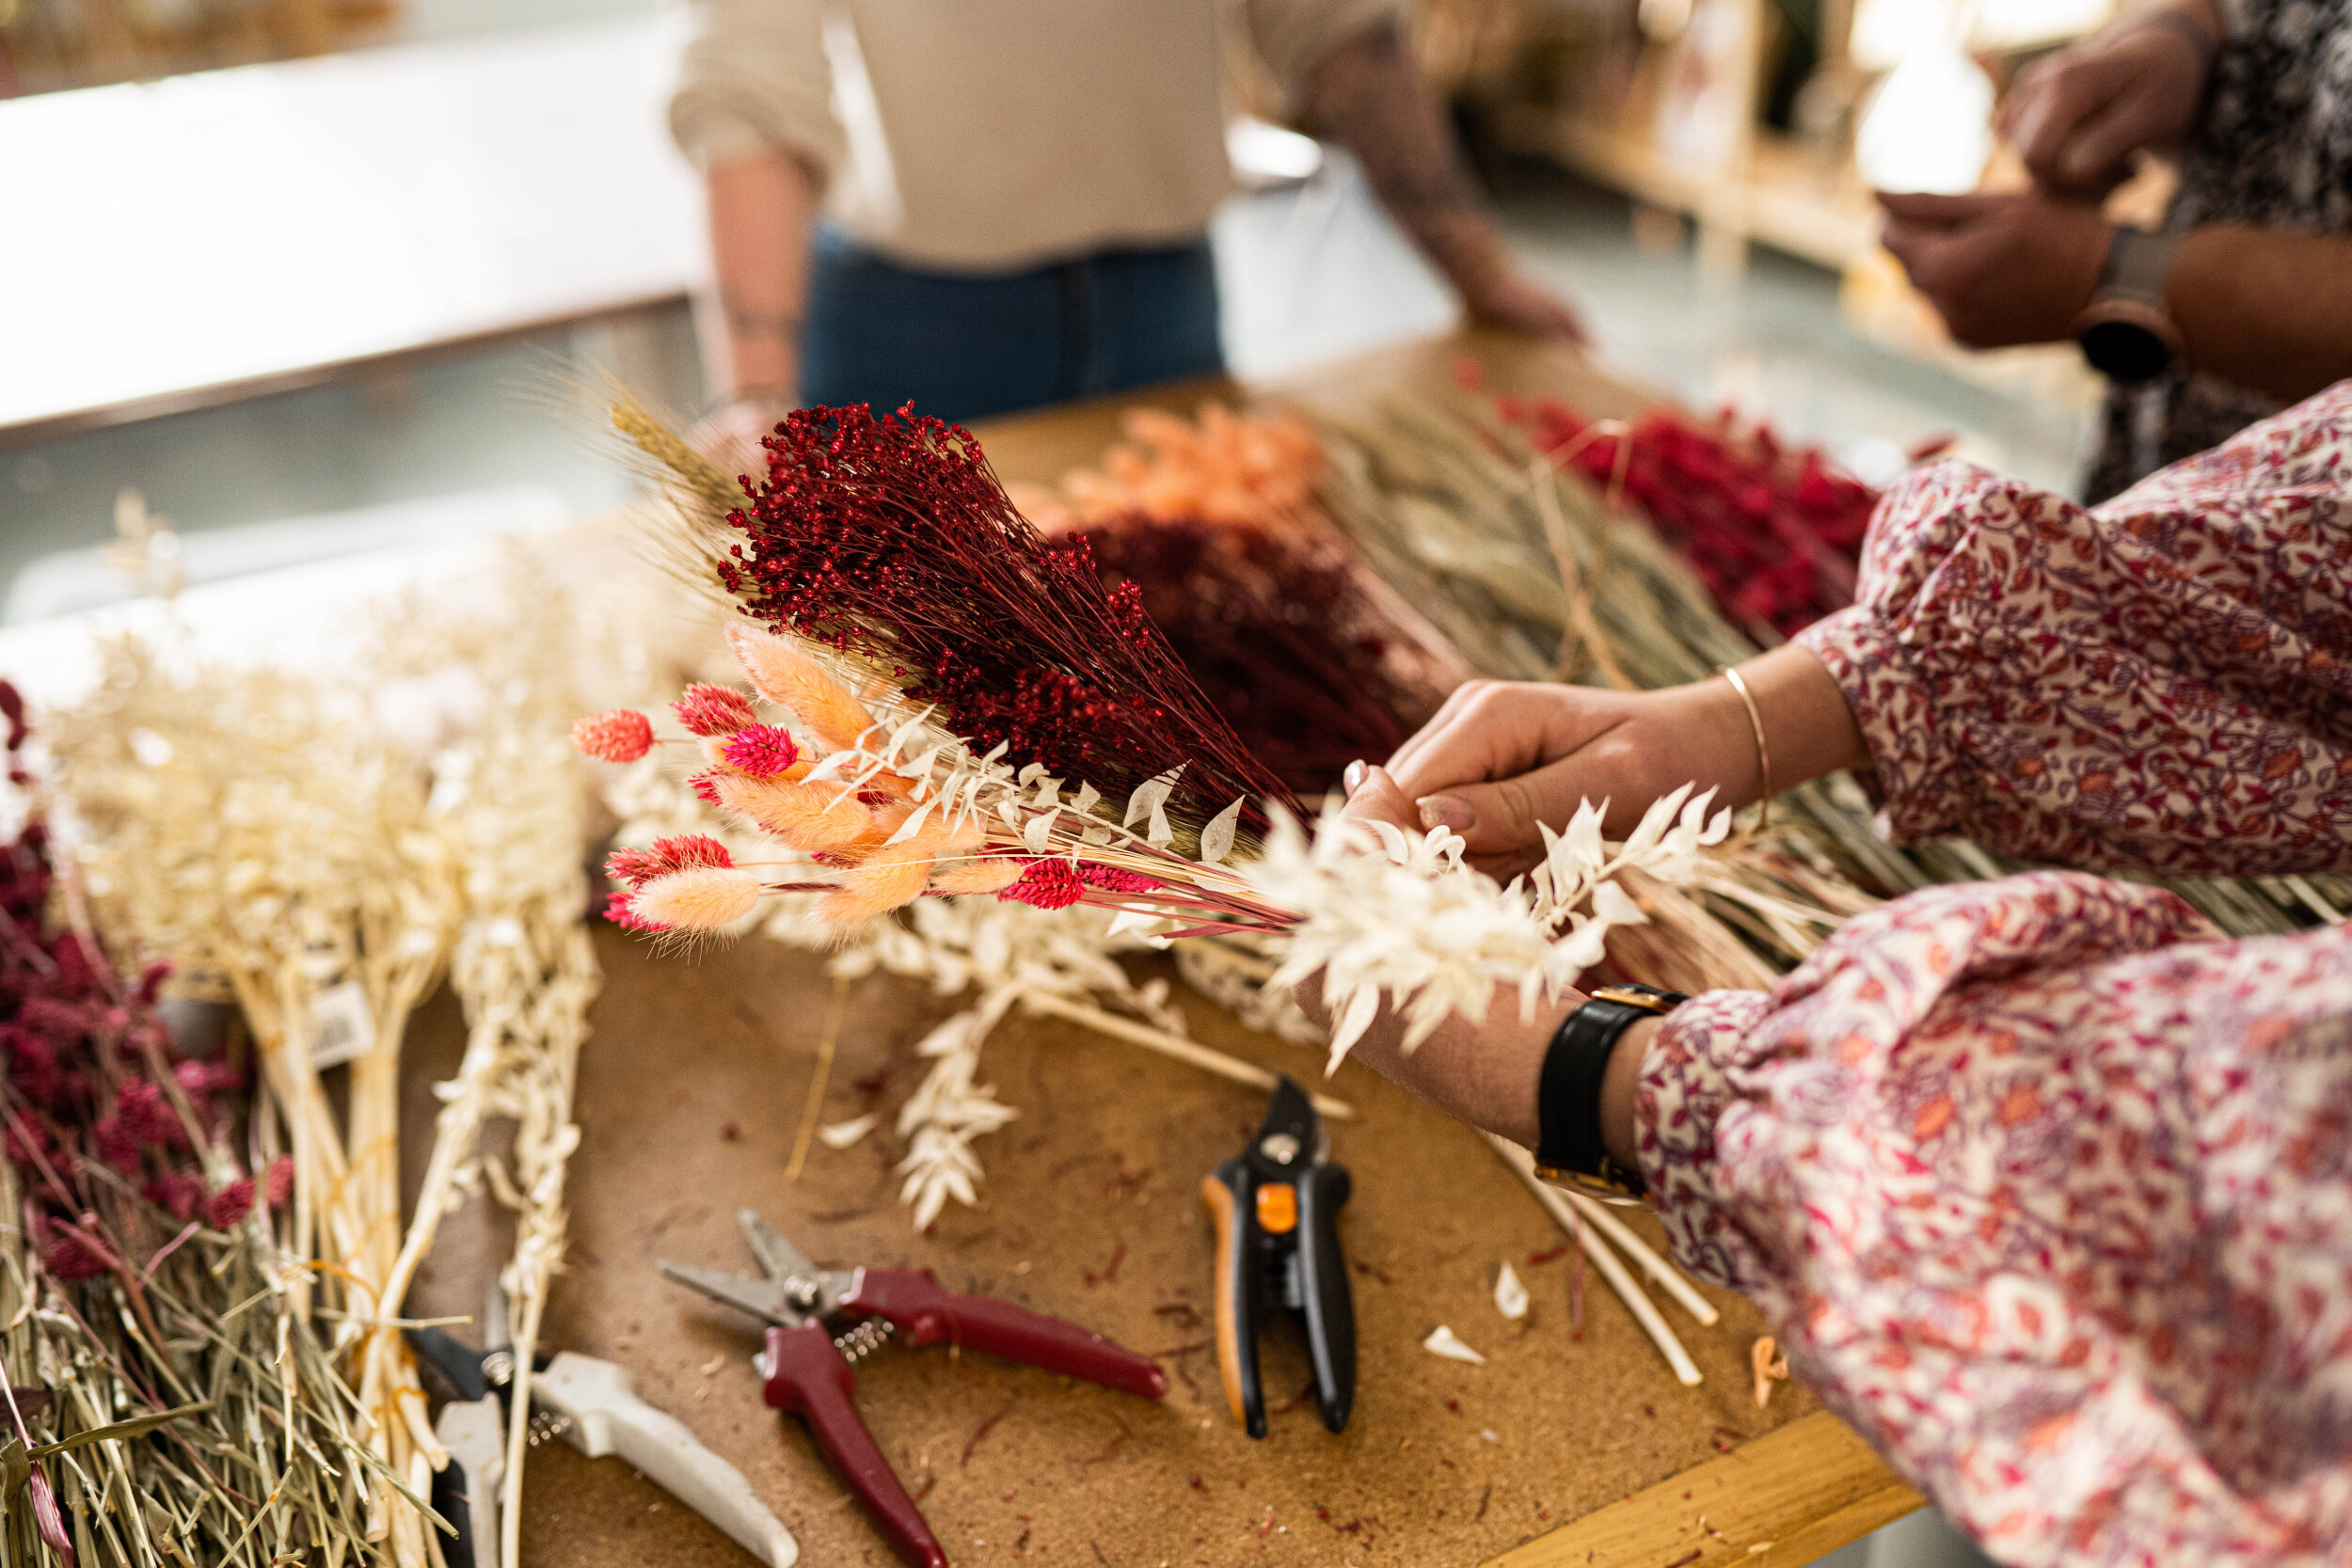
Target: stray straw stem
1629	1290
814	1111
1173	1045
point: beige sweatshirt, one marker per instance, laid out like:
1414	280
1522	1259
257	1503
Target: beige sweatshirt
992	136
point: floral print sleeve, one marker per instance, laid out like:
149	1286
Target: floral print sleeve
2162	684
2049	1190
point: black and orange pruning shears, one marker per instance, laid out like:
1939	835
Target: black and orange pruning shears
1275	1207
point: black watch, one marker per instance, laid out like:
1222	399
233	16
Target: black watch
2126	331
1568	1095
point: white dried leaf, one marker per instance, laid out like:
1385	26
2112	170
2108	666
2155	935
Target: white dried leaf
842	1135
913	825
1150	795
1216	839
1510	1294
1039	835
1444	1341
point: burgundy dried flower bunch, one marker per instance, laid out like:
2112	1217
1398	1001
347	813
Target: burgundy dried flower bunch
1276	631
891	540
95	1096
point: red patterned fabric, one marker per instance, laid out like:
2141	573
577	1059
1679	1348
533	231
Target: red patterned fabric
2163	683
2047	1186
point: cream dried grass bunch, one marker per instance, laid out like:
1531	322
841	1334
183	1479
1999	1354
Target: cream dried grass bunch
249	825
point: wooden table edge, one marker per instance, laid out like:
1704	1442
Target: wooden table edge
1789	1496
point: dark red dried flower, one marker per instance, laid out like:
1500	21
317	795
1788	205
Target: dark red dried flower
1112	879
175	1192
891	538
1047	884
762	751
117	1144
706	710
230	1205
623	735
200	1078
149	1117
69	1256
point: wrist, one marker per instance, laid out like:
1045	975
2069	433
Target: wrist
1620	1093
1587	1088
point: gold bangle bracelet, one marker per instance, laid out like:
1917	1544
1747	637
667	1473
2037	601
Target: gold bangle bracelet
1763	752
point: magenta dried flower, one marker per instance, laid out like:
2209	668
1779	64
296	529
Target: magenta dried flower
763	751
708	710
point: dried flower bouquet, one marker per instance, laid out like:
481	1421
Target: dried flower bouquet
930	743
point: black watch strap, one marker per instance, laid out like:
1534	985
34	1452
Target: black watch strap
1568	1095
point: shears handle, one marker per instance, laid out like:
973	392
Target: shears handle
914	1300
807	1377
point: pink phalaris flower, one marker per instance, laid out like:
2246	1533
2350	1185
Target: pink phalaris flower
175	1192
620	908
762	751
230	1205
706	710
705	786
151	983
1047	884
277	1181
72	1257
1113	879
623	735
638	867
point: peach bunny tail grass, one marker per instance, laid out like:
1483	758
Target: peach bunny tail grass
699	899
890	878
789	678
989	874
813	818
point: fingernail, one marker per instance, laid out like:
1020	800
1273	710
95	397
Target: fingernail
1446	811
1354	778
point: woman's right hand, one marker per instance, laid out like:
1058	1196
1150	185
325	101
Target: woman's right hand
2078	117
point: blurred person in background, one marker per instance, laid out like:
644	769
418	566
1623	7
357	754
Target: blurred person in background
985	207
2243	301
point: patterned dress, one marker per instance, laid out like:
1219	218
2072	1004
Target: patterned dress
2046	1185
2275	150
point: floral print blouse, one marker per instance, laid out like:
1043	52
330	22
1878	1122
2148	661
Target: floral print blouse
2046	1185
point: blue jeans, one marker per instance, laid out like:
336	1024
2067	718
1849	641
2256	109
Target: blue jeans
963	347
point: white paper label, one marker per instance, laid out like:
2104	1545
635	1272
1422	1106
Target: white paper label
342	1027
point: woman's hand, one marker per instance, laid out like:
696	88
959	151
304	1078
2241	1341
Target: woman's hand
1503	756
2078	117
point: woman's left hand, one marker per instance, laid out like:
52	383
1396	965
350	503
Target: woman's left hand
1483	1072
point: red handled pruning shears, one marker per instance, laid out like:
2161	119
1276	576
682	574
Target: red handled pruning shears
820	1320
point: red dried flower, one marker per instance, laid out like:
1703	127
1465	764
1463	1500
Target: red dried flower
148	1117
705	786
117	1144
638	867
706	709
200	1078
762	751
72	1257
623	735
175	1192
1047	884
892	538
230	1205
277	1181
1115	880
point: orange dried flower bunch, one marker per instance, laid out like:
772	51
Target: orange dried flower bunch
1234	469
887	832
